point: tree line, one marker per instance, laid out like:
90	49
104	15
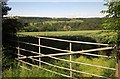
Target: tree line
38	24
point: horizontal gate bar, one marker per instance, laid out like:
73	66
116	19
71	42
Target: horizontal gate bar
45	69
59	54
81	42
69	69
81	63
83	52
74	52
44	46
27	50
68	40
69	61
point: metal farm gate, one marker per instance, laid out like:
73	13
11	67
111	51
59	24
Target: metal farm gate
38	55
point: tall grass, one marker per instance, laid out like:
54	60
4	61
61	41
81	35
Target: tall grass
36	72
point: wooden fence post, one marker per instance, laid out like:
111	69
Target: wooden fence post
118	62
70	48
39	52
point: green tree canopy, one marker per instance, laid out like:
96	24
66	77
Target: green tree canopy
9	25
113	16
5	8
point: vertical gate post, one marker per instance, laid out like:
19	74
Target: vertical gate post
70	48
39	52
118	62
18	47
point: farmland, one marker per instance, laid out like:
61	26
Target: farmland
99	35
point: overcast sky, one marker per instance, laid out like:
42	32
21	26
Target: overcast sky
57	8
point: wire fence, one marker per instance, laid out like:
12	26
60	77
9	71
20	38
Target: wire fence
38	55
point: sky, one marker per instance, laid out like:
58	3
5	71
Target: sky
55	0
57	8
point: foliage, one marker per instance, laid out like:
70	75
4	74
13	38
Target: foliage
113	17
5	8
109	73
67	28
92	24
60	24
9	25
95	70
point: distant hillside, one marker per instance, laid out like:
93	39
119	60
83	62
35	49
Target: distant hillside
38	19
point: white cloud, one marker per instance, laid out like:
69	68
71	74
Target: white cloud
65	16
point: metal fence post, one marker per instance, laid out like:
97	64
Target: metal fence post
70	48
118	62
18	48
39	52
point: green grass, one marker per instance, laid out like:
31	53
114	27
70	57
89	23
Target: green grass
21	72
60	33
98	35
35	72
97	61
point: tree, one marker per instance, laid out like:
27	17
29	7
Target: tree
5	8
113	23
9	25
113	17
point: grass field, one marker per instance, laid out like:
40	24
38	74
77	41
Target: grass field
61	33
98	35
